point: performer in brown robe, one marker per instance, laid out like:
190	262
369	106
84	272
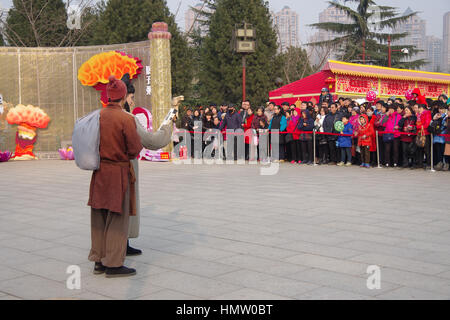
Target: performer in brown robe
112	192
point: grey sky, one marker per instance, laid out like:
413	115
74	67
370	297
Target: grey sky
430	10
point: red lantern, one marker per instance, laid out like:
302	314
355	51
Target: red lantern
330	82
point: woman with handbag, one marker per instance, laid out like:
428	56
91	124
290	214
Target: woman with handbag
408	125
423	139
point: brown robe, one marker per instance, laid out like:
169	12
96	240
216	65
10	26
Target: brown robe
119	143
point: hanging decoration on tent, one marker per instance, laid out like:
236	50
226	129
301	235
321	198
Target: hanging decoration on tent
409	95
28	118
96	71
371	96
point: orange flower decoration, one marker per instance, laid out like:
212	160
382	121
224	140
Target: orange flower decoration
99	67
33	116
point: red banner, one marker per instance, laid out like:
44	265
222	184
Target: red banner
432	90
388	87
396	88
351	84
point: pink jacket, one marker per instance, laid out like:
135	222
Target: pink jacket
392	122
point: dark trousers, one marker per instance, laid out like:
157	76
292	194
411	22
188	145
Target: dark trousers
235	149
296	150
307	151
365	154
391	151
282	152
407	158
381	148
287	149
323	153
346	155
438	155
424	153
333	150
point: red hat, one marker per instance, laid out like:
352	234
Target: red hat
116	89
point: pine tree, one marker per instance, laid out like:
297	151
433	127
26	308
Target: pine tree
221	68
360	33
130	21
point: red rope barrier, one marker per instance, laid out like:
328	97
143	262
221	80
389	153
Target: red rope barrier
317	133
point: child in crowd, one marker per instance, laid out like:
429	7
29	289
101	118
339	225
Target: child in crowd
364	134
345	143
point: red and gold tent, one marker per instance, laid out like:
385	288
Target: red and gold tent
355	80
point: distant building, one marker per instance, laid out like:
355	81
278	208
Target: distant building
190	21
446	44
433	50
416	29
286	24
330	14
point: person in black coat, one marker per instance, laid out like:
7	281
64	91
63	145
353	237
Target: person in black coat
328	126
306	123
232	121
325	96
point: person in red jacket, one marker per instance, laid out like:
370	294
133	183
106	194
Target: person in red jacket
365	135
422	124
418	97
247	126
294	145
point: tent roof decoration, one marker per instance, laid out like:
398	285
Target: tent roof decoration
335	76
360	70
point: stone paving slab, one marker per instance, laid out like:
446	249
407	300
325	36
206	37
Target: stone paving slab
227	232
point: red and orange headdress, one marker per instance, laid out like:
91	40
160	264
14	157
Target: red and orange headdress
96	71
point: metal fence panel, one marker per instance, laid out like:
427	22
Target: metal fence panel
48	78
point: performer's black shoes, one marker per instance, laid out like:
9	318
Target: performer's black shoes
99	268
132	251
120	272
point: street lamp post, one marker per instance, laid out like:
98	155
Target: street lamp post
244	43
404	50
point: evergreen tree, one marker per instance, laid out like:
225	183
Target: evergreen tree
361	33
221	68
130	21
36	23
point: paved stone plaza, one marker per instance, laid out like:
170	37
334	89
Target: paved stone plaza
226	232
